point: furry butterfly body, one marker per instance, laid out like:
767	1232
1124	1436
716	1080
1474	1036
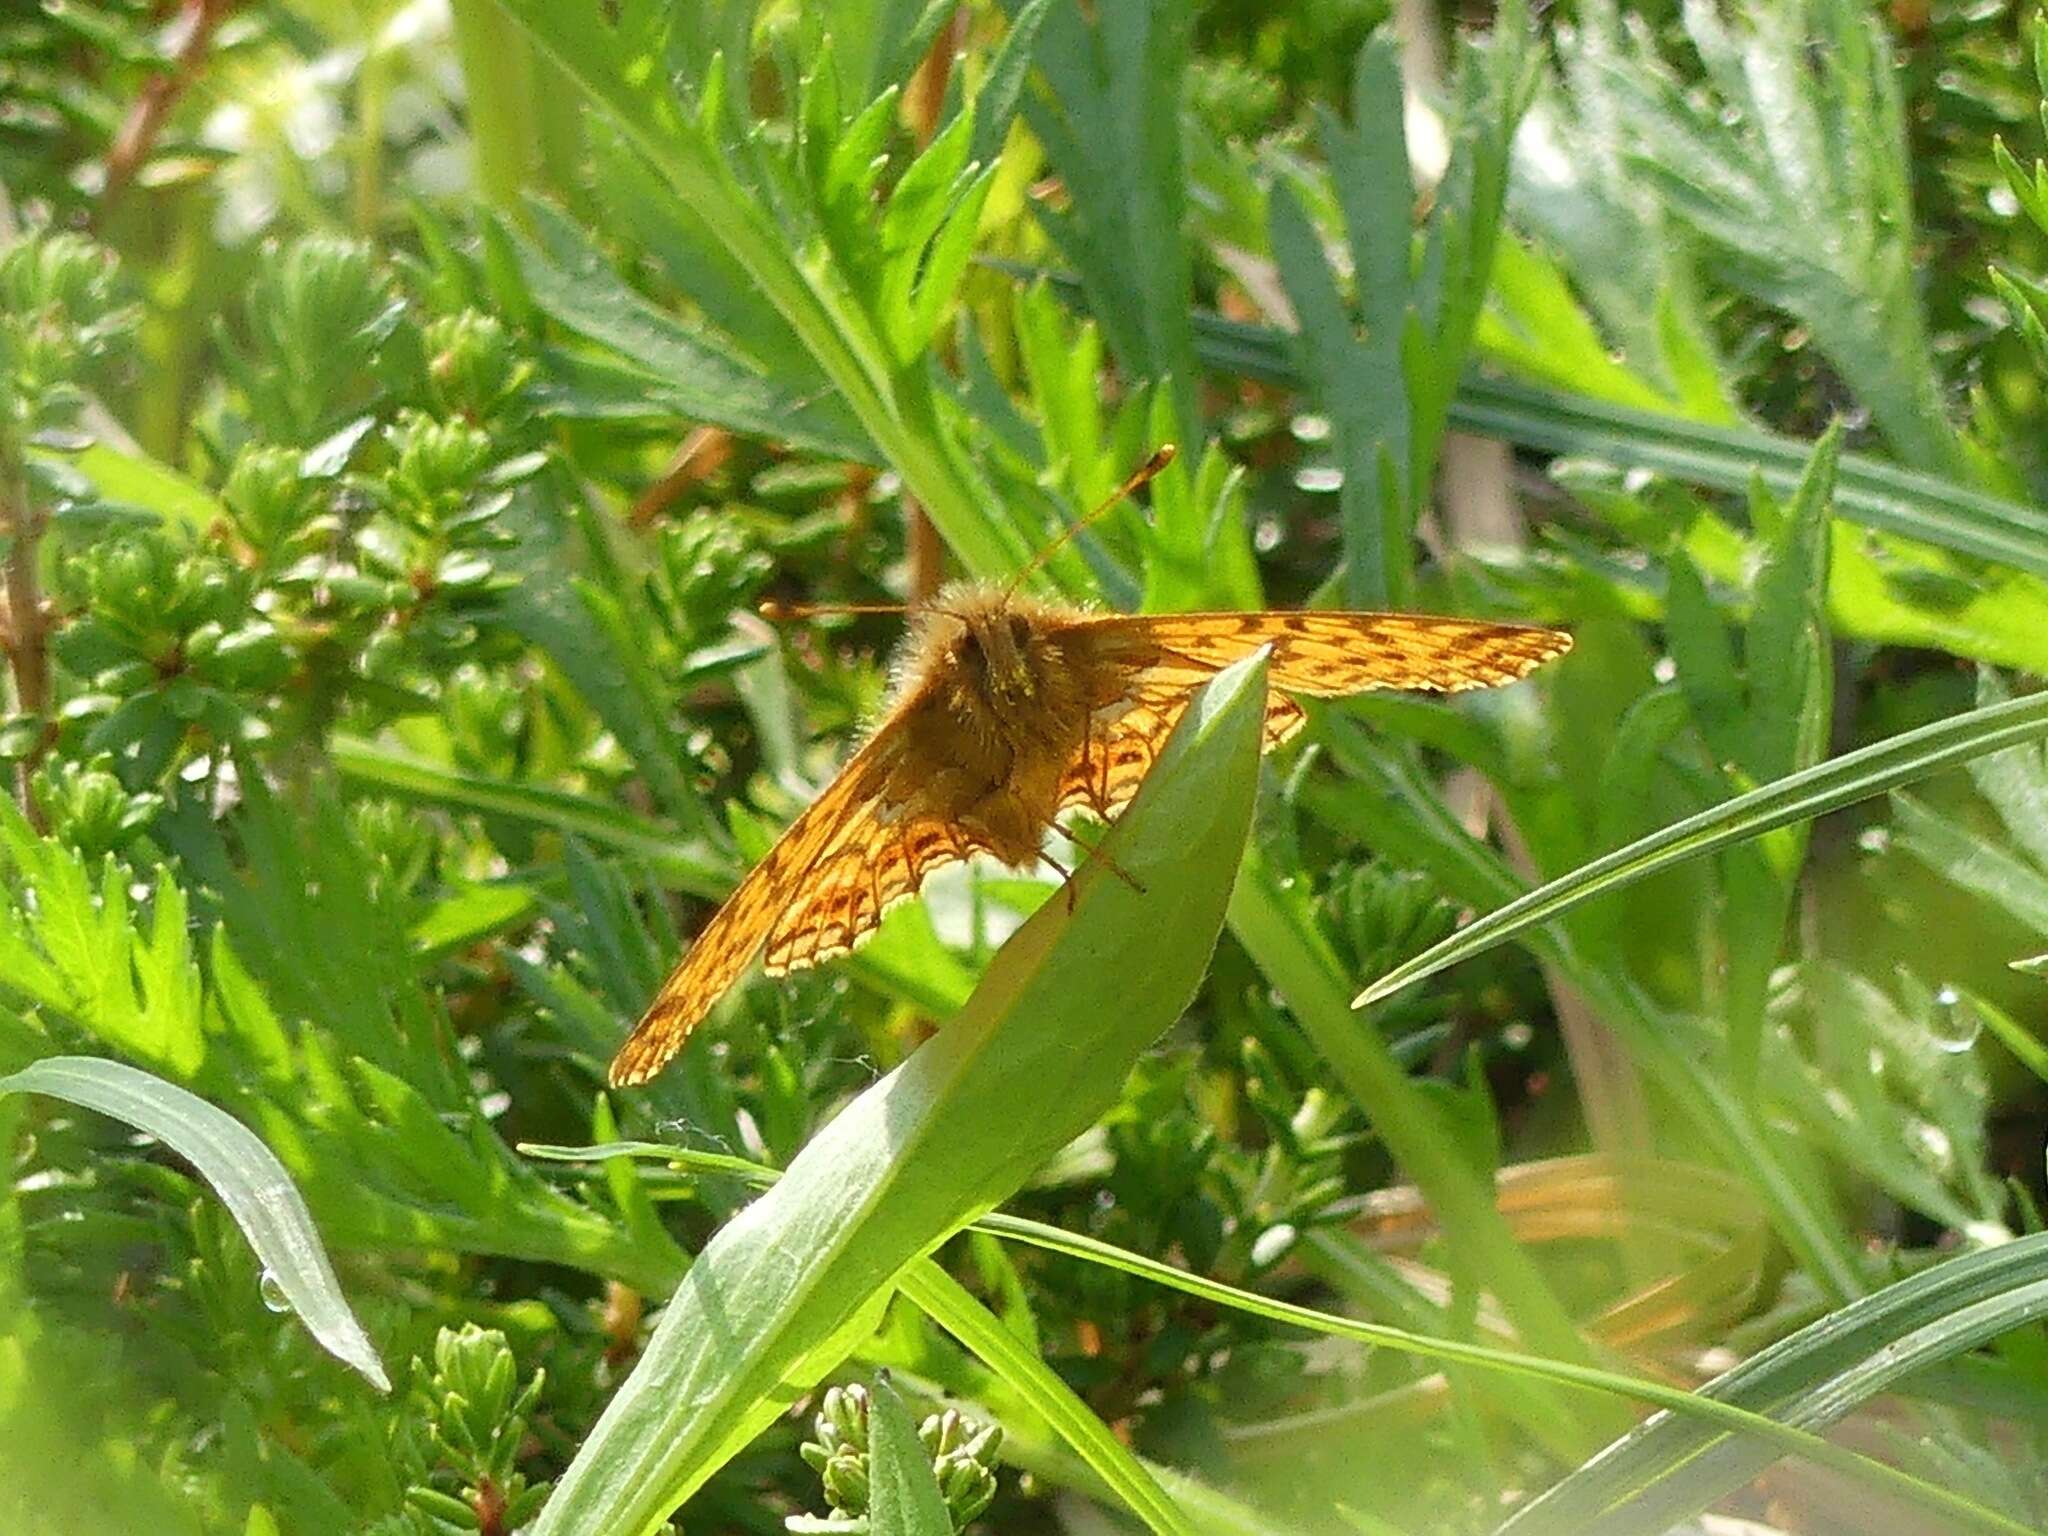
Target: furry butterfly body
1008	711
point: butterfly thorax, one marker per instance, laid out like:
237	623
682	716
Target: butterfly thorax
1013	701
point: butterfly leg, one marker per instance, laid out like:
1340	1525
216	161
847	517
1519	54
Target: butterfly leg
1097	850
1066	879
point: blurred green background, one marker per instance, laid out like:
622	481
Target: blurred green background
403	408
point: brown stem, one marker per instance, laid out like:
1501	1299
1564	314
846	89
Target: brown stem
702	454
925	97
196	21
27	631
927	553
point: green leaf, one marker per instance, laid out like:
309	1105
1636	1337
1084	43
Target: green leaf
903	1490
687	864
1003	91
691	373
249	1179
1276	927
1110	118
1858	775
675	122
1036	1056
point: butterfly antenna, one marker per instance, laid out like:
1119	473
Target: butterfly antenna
784	613
1138	477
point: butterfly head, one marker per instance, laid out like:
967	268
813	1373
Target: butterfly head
995	646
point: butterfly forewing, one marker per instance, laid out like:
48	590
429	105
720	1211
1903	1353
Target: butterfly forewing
854	800
1331	654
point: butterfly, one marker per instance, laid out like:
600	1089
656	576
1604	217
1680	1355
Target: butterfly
1009	711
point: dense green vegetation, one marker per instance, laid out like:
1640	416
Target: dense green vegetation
403	407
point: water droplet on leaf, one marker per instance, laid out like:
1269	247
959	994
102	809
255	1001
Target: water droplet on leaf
271	1289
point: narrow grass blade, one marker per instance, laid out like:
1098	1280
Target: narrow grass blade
1669	1469
247	1176
1854	776
1868	491
949	1304
686	864
1039	1053
903	1493
1706	1415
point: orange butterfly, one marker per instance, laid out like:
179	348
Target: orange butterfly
1009	711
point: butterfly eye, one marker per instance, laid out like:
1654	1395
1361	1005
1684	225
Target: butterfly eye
1020	631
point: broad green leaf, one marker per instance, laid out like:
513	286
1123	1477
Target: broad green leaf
249	1179
1036	1056
1872	770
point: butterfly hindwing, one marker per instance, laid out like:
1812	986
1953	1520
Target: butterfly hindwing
1126	737
873	866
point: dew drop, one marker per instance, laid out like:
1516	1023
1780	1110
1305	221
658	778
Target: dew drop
1953	1023
271	1289
1272	1244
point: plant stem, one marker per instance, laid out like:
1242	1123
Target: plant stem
145	119
27	632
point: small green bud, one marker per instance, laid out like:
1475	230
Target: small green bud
961	1452
268	497
846	1483
319	309
438	467
473	366
87	807
705	569
60	311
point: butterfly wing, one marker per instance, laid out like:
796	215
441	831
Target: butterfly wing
866	795
876	864
1329	655
1125	739
1158	660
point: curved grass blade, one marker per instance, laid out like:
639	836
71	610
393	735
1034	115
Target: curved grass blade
247	1176
1668	1470
688	864
1871	770
1868	491
1707	1416
787	1288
